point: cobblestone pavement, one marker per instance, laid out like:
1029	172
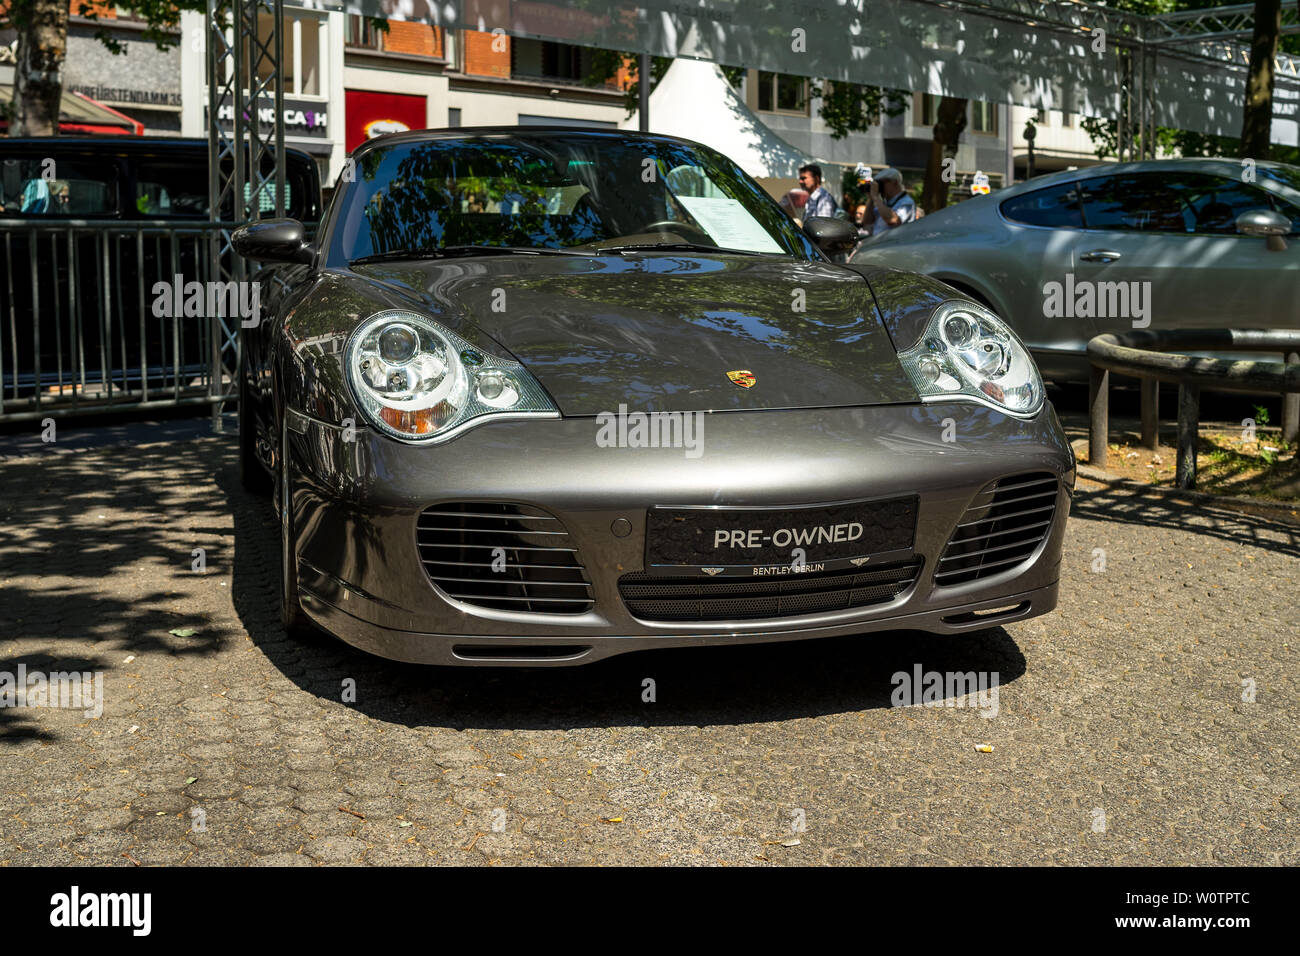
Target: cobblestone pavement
1125	730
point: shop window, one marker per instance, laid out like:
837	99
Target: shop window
545	60
361	32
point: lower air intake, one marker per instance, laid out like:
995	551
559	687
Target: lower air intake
665	598
1002	528
506	557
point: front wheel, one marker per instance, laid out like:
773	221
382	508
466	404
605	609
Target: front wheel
293	618
252	473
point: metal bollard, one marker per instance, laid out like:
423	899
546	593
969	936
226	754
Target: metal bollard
1150	413
1189	415
1291	407
1098	415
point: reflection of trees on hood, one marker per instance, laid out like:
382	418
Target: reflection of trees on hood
756	307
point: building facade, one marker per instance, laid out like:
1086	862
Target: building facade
1060	141
141	81
786	105
347	80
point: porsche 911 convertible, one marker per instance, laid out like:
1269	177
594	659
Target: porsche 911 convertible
540	396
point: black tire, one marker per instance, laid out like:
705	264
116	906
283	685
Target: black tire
252	473
293	618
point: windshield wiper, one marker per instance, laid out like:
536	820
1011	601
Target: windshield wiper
679	247
459	252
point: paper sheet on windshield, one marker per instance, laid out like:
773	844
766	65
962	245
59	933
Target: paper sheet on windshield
729	224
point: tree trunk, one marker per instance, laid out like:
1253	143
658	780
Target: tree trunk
1257	116
948	127
38	73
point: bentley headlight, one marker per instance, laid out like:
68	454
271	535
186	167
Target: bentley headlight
967	352
418	381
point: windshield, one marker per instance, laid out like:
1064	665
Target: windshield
580	191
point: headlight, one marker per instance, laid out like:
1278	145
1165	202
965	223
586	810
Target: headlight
417	381
967	352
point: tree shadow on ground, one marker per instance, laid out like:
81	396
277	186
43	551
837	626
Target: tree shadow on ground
69	523
1138	506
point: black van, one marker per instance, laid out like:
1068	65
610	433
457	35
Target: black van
128	177
88	228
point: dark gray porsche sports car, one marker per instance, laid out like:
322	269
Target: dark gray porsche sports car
541	396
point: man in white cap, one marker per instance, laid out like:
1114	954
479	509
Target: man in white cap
891	206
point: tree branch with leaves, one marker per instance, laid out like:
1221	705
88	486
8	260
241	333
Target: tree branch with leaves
42	28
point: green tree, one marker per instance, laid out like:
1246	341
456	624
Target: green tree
1257	114
1258	105
855	107
949	122
605	65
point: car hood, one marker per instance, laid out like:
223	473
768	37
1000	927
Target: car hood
660	332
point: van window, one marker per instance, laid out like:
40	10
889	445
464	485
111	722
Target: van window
164	190
301	191
266	199
55	186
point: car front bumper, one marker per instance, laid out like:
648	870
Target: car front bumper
356	500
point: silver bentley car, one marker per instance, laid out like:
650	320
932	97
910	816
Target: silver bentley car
1164	244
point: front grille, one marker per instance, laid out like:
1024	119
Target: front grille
654	597
1002	527
503	556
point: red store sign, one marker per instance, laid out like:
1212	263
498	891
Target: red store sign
367	115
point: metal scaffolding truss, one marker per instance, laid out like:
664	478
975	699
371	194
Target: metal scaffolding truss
245	121
1216	36
1234	22
1068	16
1216	23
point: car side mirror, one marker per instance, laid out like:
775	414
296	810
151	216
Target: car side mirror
831	235
1267	223
273	240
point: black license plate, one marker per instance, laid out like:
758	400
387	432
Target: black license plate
748	541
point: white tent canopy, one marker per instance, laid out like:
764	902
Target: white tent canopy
695	101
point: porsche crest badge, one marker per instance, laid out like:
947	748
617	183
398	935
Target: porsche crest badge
743	377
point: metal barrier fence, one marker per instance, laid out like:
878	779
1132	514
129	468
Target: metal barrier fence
80	323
